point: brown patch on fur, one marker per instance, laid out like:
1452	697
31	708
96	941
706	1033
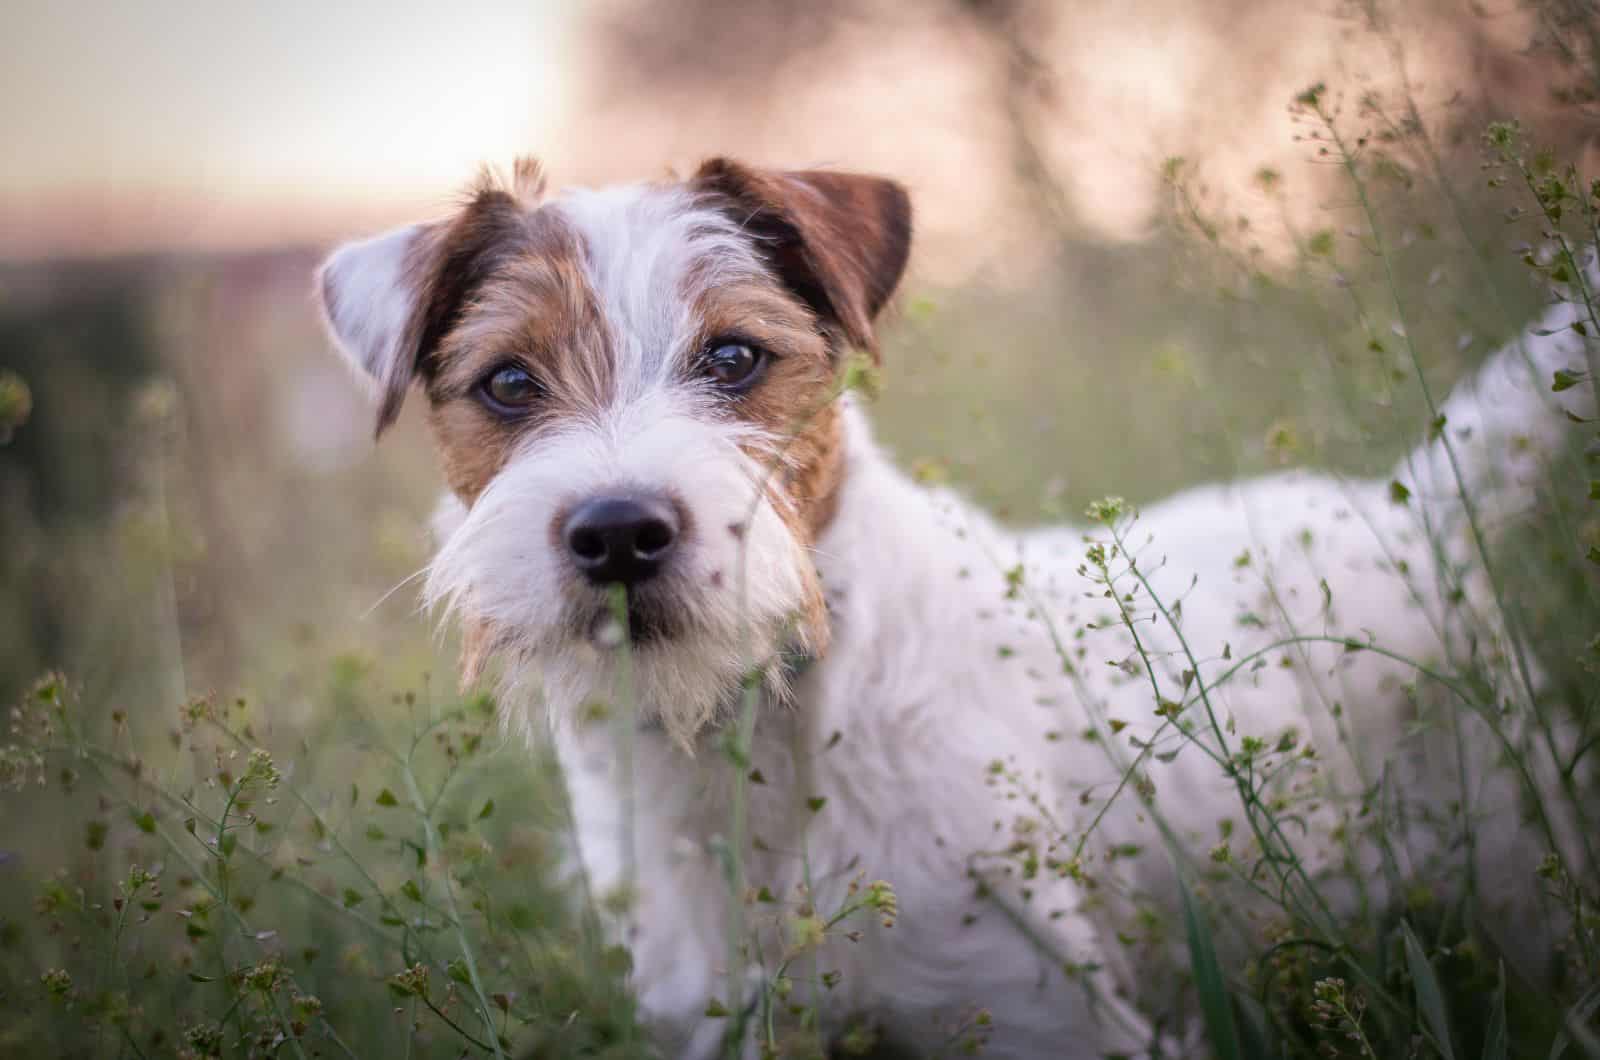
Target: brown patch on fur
538	312
445	262
837	240
793	402
818	476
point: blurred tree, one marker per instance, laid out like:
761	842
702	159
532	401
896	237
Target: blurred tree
84	350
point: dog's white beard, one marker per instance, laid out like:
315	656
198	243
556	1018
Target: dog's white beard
734	589
683	687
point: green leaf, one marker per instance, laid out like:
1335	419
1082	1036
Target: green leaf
1494	1038
1398	493
352	898
146	822
1215	1007
1430	999
1565	380
816	803
488	808
386	798
95	835
411	890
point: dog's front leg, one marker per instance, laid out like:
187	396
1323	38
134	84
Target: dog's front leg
642	839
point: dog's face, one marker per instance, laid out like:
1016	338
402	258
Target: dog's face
631	387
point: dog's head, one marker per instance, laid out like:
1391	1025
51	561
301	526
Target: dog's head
630	387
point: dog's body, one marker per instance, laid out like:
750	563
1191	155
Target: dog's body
838	675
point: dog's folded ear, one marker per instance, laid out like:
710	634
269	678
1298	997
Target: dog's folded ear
838	240
369	292
387	301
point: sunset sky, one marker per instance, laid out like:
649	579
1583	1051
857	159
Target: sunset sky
189	124
196	112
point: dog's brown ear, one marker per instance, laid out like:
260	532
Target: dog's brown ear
387	301
838	240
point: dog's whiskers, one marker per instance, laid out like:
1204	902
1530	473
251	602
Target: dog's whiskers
401	584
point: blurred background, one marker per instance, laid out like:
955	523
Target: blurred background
1134	271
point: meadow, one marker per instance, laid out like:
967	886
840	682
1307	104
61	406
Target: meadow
246	810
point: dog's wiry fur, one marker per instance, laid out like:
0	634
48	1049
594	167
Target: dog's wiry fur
942	695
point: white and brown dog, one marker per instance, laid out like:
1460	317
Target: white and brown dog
639	386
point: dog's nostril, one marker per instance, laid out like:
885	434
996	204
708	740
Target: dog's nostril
587	544
654	538
621	540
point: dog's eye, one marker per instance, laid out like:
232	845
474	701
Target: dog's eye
733	364
509	389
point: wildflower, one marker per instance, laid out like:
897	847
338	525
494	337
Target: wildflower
57	982
806	932
194	712
1107	509
19	765
260	767
881	897
413	982
265	976
203	1040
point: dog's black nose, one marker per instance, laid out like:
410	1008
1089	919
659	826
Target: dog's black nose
621	539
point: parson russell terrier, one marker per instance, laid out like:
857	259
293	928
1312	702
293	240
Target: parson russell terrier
640	386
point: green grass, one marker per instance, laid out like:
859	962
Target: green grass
254	818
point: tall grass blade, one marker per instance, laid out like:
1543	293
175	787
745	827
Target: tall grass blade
1494	1039
1254	1028
1576	1017
1215	1006
1430	999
